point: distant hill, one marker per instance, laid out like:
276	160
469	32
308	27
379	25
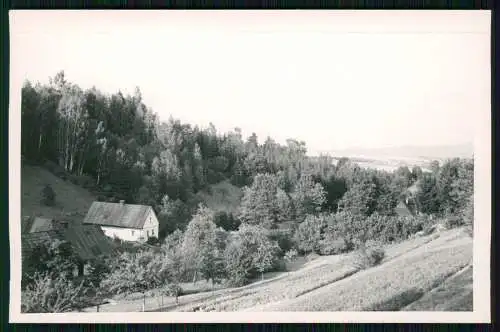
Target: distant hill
72	201
419	152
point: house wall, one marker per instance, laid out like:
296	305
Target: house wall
126	234
151	226
150	229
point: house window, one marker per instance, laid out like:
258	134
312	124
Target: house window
147	232
132	232
152	232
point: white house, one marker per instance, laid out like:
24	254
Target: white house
128	222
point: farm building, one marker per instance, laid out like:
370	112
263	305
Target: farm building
128	222
88	241
402	210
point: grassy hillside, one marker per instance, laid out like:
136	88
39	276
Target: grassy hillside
390	286
418	274
72	202
455	294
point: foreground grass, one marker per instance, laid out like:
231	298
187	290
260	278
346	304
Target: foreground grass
455	294
388	287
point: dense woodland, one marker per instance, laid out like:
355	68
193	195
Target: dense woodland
115	146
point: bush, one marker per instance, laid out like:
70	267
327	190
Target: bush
369	254
468	216
251	251
291	255
97	269
48	196
238	265
453	222
279	265
284	240
329	246
214	177
226	221
51	294
308	234
55	258
138	272
153	241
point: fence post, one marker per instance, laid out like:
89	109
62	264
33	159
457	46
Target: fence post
97	308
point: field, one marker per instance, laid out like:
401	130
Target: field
390	286
72	202
427	273
454	294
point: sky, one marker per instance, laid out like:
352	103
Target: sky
333	79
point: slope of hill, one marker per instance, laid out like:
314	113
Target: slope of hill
72	202
390	286
422	271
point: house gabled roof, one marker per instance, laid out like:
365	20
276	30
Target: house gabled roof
117	215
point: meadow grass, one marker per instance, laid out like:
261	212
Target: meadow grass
72	202
454	294
390	286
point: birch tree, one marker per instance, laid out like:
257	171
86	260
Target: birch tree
72	125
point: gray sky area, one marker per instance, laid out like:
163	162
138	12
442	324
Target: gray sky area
333	79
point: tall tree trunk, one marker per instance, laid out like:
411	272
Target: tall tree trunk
39	142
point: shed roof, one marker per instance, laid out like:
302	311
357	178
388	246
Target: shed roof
88	241
403	210
117	215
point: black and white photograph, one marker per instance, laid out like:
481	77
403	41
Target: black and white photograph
172	166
